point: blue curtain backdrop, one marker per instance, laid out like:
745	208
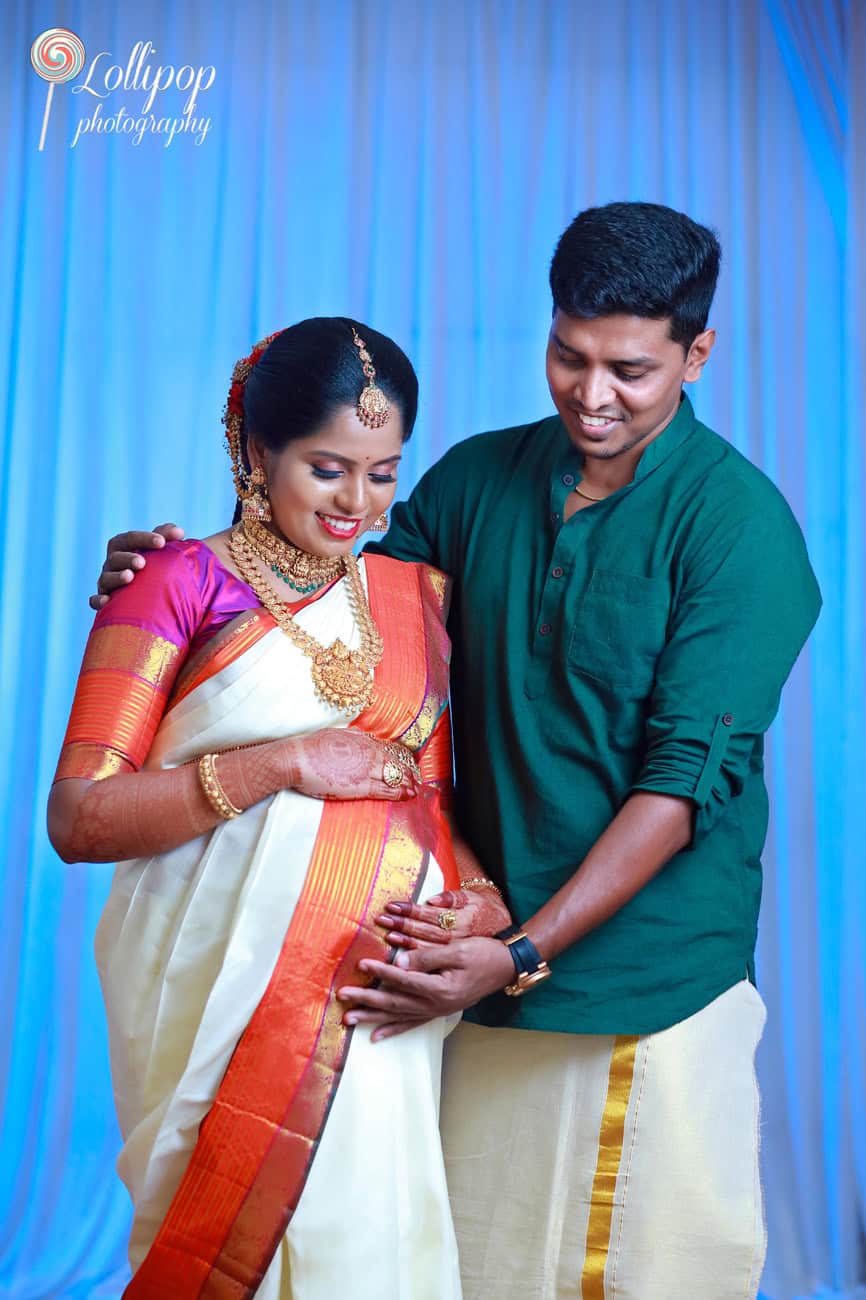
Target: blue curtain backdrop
411	163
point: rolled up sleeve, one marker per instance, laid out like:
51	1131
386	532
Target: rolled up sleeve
746	602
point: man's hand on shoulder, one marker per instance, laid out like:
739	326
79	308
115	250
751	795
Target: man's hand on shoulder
122	558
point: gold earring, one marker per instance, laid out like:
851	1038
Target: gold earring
381	524
255	502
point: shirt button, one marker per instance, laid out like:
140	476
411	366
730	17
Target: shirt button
554	518
544	630
568	480
556	572
727	719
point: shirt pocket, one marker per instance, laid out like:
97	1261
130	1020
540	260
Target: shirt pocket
619	630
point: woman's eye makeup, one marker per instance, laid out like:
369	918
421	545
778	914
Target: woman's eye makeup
320	472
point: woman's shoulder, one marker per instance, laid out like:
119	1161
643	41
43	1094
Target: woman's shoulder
170	593
192	561
176	556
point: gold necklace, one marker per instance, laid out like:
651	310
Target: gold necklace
301	571
341	677
586	495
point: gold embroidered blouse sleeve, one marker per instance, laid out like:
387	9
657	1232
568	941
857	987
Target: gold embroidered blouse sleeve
122	691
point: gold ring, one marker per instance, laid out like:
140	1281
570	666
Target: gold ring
447	920
404	757
392	774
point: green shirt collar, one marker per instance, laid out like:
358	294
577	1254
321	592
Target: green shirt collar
682	426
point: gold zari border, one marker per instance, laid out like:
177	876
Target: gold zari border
610	1144
92	762
122	648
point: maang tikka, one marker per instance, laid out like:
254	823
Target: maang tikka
373	407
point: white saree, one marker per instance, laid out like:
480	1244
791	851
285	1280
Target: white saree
186	948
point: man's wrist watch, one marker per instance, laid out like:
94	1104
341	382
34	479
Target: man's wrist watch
528	964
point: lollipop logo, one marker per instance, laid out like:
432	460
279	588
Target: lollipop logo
57	56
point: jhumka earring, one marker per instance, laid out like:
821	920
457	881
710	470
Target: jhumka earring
255	503
381	524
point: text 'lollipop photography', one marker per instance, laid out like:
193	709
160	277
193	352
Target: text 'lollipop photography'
133	98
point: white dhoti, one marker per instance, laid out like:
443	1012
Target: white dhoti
600	1167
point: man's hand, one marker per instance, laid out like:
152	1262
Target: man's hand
426	983
122	558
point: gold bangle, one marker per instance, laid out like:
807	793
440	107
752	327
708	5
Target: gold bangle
480	882
213	791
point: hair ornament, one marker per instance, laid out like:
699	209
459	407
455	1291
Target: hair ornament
233	419
373	407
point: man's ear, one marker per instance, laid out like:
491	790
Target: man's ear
698	355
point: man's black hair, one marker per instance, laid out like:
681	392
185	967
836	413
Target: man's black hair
638	259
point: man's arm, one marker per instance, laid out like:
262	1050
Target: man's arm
646	833
747	603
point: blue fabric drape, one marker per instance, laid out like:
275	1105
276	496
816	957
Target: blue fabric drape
413	165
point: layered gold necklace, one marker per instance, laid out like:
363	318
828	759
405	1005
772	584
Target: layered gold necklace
301	571
341	677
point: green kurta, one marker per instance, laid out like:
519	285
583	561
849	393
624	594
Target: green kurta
642	645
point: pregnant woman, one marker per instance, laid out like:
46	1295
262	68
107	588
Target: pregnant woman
260	730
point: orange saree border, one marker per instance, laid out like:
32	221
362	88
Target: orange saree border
405	599
256	1145
257	1142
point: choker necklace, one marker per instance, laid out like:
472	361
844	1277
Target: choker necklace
341	677
586	495
301	571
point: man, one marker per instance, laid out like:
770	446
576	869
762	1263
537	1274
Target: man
629	597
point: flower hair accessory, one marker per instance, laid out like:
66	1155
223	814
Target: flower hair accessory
233	419
373	407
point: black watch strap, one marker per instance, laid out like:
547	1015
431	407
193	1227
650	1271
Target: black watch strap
526	957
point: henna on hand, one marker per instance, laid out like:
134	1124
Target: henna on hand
490	915
345	764
138	814
480	913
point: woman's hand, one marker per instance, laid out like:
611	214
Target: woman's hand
346	764
476	912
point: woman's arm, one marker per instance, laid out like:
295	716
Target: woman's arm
138	814
103	806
